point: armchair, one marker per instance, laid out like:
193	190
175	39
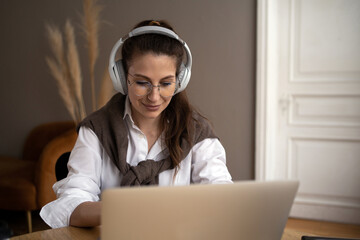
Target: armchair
26	184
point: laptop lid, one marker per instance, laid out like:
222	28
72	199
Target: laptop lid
243	210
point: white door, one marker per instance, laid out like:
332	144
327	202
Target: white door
308	103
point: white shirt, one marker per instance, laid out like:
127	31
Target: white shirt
91	170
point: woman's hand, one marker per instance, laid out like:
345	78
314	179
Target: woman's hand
87	214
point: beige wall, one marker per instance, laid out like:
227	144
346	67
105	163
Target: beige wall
221	35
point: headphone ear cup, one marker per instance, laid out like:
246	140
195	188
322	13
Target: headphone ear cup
183	78
120	84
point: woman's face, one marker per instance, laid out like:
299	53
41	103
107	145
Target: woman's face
156	70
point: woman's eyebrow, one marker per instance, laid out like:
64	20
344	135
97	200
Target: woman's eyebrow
147	78
167	77
141	76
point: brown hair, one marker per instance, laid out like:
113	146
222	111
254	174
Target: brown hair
176	120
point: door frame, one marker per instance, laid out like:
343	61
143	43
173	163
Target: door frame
266	92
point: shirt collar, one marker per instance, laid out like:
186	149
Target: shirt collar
127	111
127	107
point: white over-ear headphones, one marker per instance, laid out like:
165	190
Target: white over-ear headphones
116	68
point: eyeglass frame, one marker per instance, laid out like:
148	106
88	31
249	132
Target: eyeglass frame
151	87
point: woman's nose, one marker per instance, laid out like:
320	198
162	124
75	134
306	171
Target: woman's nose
154	94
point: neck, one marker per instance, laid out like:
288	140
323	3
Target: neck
147	126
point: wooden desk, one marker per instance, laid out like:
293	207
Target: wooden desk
62	234
294	229
94	233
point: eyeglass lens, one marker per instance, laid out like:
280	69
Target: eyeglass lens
143	88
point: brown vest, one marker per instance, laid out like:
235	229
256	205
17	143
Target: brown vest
110	128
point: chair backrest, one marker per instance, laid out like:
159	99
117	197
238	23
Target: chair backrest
46	176
41	135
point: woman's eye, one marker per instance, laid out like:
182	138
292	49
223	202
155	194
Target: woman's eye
166	84
142	83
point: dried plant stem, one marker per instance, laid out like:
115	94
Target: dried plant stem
63	88
65	66
66	69
106	89
91	22
74	69
59	69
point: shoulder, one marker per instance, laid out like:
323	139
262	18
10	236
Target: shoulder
114	109
200	122
202	127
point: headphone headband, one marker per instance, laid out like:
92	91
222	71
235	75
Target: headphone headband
116	68
153	29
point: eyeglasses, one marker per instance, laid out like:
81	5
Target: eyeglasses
143	87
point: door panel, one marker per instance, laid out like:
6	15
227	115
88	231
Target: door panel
308	111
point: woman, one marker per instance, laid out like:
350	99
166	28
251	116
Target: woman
146	134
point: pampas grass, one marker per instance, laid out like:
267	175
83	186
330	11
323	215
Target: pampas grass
106	89
90	21
74	70
66	69
59	69
65	65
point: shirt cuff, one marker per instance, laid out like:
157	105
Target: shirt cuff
57	214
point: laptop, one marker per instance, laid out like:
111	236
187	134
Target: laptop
250	210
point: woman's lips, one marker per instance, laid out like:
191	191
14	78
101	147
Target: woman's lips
152	107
